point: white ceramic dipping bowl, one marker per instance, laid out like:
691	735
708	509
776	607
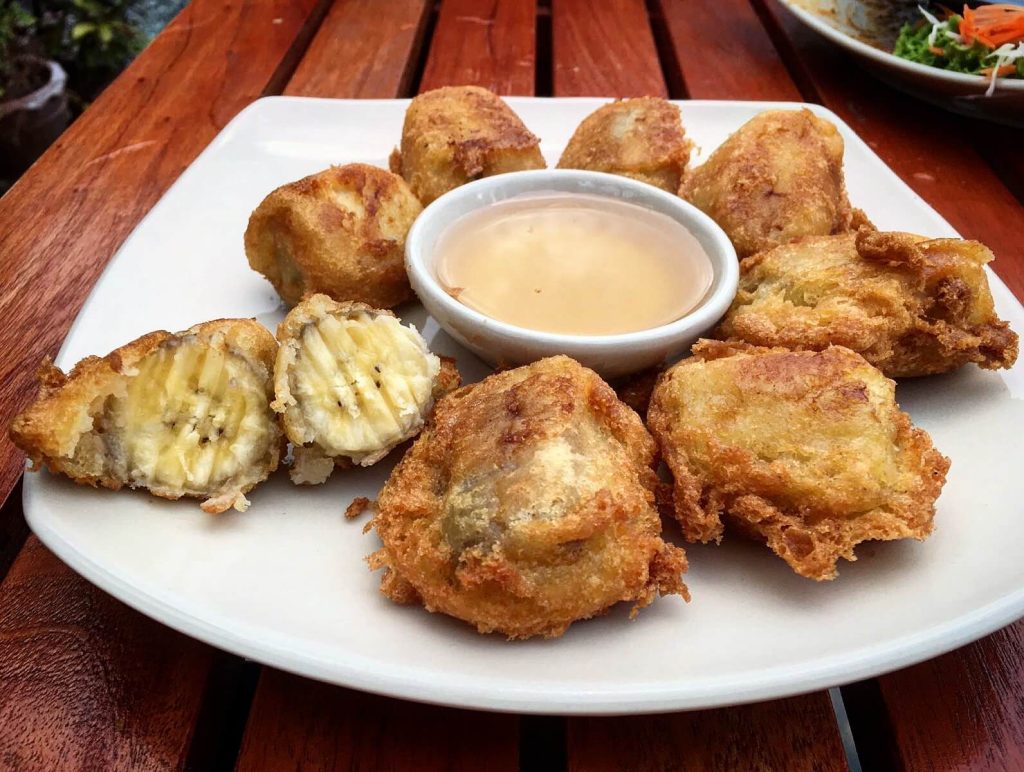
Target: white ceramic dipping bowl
610	355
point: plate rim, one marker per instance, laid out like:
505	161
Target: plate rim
769	683
773	683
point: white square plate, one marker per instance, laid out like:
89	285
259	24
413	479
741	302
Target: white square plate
286	582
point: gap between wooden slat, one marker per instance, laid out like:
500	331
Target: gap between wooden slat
544	83
223	713
869	723
423	53
13	530
286	67
667	55
739	61
542	743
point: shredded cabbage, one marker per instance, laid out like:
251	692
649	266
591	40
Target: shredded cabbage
938	43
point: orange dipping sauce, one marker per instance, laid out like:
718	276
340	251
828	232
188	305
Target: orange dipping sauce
573	264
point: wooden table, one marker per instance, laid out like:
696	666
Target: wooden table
86	683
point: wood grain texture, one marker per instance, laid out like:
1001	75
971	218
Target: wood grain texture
297	724
795	734
87	683
489	43
64	219
930	149
604	49
363	49
961	711
738	61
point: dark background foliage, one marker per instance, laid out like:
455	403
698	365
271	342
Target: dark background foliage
92	40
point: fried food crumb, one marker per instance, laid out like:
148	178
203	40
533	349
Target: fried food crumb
358	506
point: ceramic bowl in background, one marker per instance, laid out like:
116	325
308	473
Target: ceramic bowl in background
868	30
500	343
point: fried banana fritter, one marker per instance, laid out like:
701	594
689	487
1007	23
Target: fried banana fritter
526	504
777	178
184	414
806	451
640	138
909	305
457	134
340	232
352	383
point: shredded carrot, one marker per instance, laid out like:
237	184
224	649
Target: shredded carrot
1006	69
937	51
993	25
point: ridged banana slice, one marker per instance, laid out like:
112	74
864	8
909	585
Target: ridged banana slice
180	415
352	383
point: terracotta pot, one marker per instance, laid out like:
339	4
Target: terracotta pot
29	124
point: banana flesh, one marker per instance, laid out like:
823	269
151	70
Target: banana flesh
185	414
353	383
193	419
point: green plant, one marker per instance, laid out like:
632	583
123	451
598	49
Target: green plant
99	40
92	39
16	27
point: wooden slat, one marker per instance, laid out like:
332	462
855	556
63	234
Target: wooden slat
964	710
930	149
363	50
297	724
738	61
490	43
64	219
780	735
604	49
85	682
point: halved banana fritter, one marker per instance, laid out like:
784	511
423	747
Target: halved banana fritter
184	414
641	138
807	451
455	134
352	383
341	232
526	504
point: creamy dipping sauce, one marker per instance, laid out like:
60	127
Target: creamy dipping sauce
573	264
